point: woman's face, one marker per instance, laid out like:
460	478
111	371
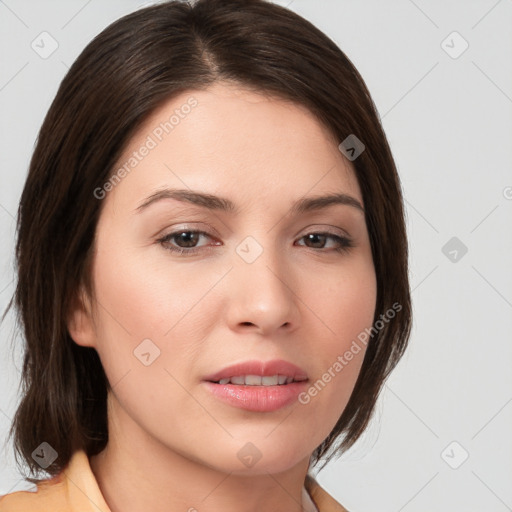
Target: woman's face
239	266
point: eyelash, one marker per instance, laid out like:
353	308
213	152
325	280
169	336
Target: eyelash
345	243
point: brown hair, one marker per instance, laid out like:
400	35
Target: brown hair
120	78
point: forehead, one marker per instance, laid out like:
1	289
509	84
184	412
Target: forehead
236	141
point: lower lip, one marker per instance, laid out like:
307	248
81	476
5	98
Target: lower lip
257	398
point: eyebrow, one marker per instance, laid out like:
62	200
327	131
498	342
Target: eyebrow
217	203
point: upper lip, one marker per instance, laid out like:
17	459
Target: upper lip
262	368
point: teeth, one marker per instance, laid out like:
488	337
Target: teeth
257	380
252	380
270	381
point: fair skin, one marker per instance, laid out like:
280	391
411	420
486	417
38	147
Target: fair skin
172	444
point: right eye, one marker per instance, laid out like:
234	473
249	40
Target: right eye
183	241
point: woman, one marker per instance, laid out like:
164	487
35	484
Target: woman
212	266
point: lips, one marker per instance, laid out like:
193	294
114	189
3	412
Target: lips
258	386
259	373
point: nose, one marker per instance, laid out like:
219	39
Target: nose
262	297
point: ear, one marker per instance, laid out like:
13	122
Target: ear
80	322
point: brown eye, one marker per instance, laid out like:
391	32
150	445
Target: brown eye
186	238
319	240
184	241
316	240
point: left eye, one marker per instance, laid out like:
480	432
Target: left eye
341	243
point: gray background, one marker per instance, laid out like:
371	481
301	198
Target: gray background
448	117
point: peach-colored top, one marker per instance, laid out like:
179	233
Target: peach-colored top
75	489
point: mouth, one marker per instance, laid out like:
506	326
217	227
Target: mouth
259	380
259	373
258	386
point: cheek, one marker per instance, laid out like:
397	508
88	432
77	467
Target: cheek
346	308
148	331
140	300
346	303
149	298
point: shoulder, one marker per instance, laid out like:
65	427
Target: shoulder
74	489
322	499
50	495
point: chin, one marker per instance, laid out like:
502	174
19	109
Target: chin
261	456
